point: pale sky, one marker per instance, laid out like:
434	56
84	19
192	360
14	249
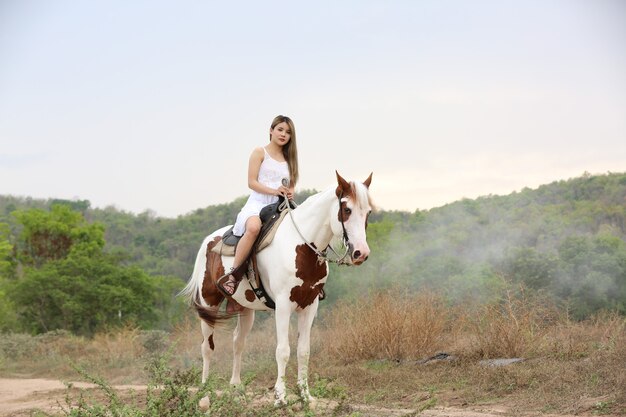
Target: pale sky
158	104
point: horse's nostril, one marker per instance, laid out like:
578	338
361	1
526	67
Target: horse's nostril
356	254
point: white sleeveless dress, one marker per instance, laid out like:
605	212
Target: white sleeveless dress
271	174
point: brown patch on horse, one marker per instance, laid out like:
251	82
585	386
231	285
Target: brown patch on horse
211	344
250	296
344	213
309	270
214	270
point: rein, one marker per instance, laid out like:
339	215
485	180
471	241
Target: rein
322	256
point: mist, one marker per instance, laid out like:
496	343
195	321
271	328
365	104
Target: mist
564	240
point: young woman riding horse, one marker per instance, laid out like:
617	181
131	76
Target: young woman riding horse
293	270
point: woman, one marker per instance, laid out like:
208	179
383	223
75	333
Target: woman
267	167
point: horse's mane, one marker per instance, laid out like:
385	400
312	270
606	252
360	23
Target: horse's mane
362	194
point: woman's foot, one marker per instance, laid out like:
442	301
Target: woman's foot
227	284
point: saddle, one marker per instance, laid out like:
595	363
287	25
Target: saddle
271	216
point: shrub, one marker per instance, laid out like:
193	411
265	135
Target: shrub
392	325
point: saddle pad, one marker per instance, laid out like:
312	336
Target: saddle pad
262	243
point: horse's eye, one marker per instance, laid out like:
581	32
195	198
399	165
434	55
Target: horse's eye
347	210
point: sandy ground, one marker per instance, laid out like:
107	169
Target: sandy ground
19	397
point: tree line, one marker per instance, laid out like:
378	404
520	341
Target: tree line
66	265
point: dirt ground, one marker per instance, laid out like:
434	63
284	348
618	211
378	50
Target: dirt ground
20	397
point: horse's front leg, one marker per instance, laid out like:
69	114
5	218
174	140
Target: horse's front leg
305	322
244	325
283	313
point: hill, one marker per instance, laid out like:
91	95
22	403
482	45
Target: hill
565	240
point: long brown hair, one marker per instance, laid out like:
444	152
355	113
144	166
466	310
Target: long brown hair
290	150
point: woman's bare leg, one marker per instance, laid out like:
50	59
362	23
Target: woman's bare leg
253	227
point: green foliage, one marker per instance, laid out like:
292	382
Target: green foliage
83	294
532	268
49	235
169	393
327	388
67	280
593	273
565	238
8	319
173	392
6	249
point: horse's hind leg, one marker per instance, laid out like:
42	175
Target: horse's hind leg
244	325
207	348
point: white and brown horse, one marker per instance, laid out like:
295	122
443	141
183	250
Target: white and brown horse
293	272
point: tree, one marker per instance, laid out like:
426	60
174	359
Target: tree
49	235
83	293
6	248
7	312
593	273
69	282
534	269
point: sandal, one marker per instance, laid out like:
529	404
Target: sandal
227	285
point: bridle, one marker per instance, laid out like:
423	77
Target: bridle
322	256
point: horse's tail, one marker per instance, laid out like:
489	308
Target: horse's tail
211	315
193	288
193	292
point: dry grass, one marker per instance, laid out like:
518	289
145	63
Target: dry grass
389	326
511	328
367	350
570	367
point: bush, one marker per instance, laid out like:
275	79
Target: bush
14	346
154	341
393	325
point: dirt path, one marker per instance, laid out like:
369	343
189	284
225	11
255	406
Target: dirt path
18	397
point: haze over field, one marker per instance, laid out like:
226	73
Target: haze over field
140	104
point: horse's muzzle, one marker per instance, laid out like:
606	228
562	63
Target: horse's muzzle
360	256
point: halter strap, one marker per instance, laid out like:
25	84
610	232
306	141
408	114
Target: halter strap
346	241
321	255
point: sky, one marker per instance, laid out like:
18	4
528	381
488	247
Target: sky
156	105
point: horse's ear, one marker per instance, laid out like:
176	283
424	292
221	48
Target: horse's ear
343	187
368	181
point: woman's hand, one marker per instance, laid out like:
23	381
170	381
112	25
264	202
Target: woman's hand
284	191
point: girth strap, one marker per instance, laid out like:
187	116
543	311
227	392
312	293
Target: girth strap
257	284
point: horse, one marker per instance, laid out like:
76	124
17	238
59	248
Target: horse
293	271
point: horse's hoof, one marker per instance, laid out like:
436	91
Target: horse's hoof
280	402
205	403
